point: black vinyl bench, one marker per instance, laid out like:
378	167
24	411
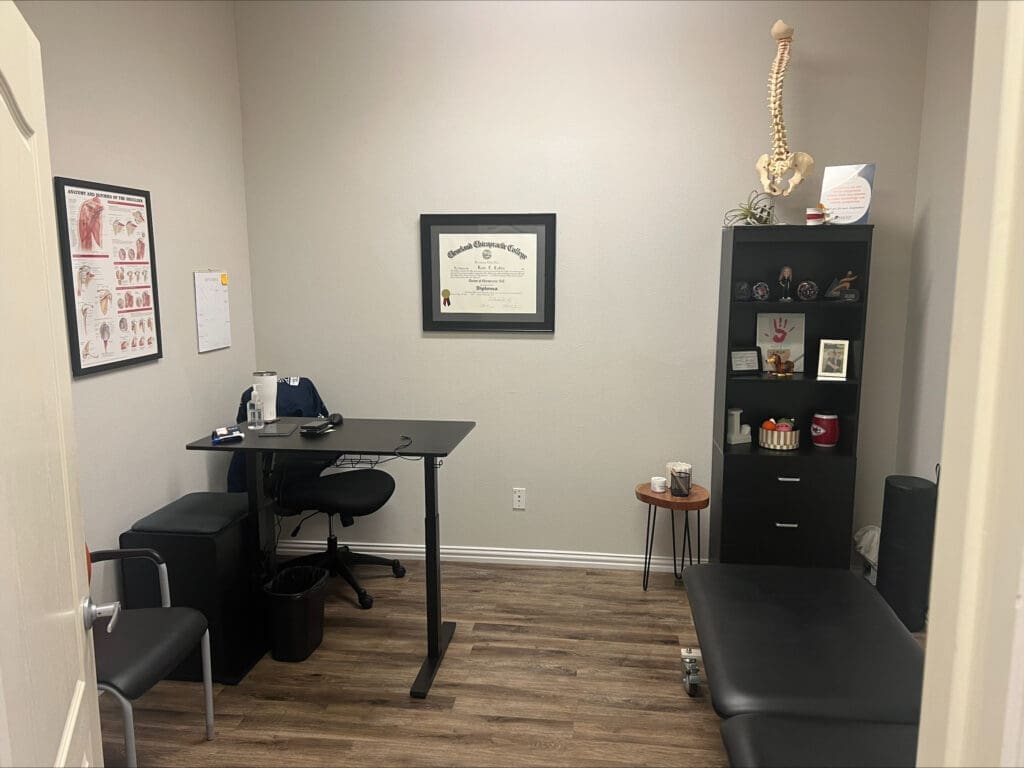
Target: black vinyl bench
772	741
796	657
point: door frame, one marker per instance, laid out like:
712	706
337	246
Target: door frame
970	714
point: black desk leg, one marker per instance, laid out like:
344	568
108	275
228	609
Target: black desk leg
261	518
439	633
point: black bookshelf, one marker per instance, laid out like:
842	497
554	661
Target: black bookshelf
788	507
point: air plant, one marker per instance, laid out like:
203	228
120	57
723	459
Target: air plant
759	209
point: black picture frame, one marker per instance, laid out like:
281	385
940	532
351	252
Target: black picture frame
469	230
746	371
98	279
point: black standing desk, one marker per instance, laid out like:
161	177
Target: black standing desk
430	440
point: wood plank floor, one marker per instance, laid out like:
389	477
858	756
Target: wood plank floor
548	667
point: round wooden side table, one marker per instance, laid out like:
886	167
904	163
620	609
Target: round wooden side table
697	500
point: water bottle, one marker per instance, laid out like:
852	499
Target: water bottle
254	411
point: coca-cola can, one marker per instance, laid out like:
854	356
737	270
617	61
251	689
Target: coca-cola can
825	430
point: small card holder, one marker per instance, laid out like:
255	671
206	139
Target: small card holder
226	434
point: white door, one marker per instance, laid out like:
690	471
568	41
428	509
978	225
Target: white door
48	707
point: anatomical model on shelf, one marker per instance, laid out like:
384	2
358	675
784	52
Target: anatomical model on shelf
774	168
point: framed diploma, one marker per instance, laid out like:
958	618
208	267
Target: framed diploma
488	272
108	262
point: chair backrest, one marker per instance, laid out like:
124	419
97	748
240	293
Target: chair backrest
298	399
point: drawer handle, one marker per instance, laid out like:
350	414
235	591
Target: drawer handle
787	525
788	479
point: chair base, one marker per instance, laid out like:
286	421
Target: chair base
338	561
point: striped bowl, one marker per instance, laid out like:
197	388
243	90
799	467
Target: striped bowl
779	441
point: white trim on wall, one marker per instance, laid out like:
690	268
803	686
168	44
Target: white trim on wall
663	563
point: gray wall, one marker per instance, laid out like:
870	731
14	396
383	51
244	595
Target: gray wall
947	97
146	95
638	124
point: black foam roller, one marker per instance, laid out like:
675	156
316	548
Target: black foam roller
905	547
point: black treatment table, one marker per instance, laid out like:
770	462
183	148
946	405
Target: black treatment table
809	666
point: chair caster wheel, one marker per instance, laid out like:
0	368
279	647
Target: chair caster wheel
365	600
398	569
692	687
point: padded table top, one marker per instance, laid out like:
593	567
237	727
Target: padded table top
812	642
767	741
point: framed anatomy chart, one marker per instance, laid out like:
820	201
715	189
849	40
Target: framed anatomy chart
108	261
488	272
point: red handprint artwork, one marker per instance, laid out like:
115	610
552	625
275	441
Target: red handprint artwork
782	335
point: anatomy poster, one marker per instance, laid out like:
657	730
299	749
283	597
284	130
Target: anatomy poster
109	268
496	274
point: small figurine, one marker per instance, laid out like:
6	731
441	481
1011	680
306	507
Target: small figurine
779	368
741	291
760	291
786	282
807	290
841	288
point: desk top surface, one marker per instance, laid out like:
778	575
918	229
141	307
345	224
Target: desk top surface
365	436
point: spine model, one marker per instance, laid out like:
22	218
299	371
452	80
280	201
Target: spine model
774	168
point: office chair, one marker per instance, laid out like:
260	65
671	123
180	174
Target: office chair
137	648
297	484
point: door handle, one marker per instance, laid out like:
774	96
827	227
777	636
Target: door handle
788	479
91	612
787	525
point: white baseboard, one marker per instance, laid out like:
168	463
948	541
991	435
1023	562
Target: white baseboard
297	547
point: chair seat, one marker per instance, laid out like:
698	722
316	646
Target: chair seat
765	741
146	644
349	494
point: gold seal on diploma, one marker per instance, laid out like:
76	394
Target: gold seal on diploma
446	297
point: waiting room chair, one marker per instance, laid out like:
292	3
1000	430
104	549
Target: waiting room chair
137	648
297	484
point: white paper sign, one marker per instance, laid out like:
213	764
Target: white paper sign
213	317
846	192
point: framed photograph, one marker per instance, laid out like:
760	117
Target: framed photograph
488	272
833	355
108	262
782	334
745	362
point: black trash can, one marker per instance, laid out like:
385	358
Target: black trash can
296	598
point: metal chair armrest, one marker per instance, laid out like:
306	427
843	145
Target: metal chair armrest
150	554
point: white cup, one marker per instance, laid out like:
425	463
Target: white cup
659	484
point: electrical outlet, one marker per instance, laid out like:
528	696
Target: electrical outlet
518	498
